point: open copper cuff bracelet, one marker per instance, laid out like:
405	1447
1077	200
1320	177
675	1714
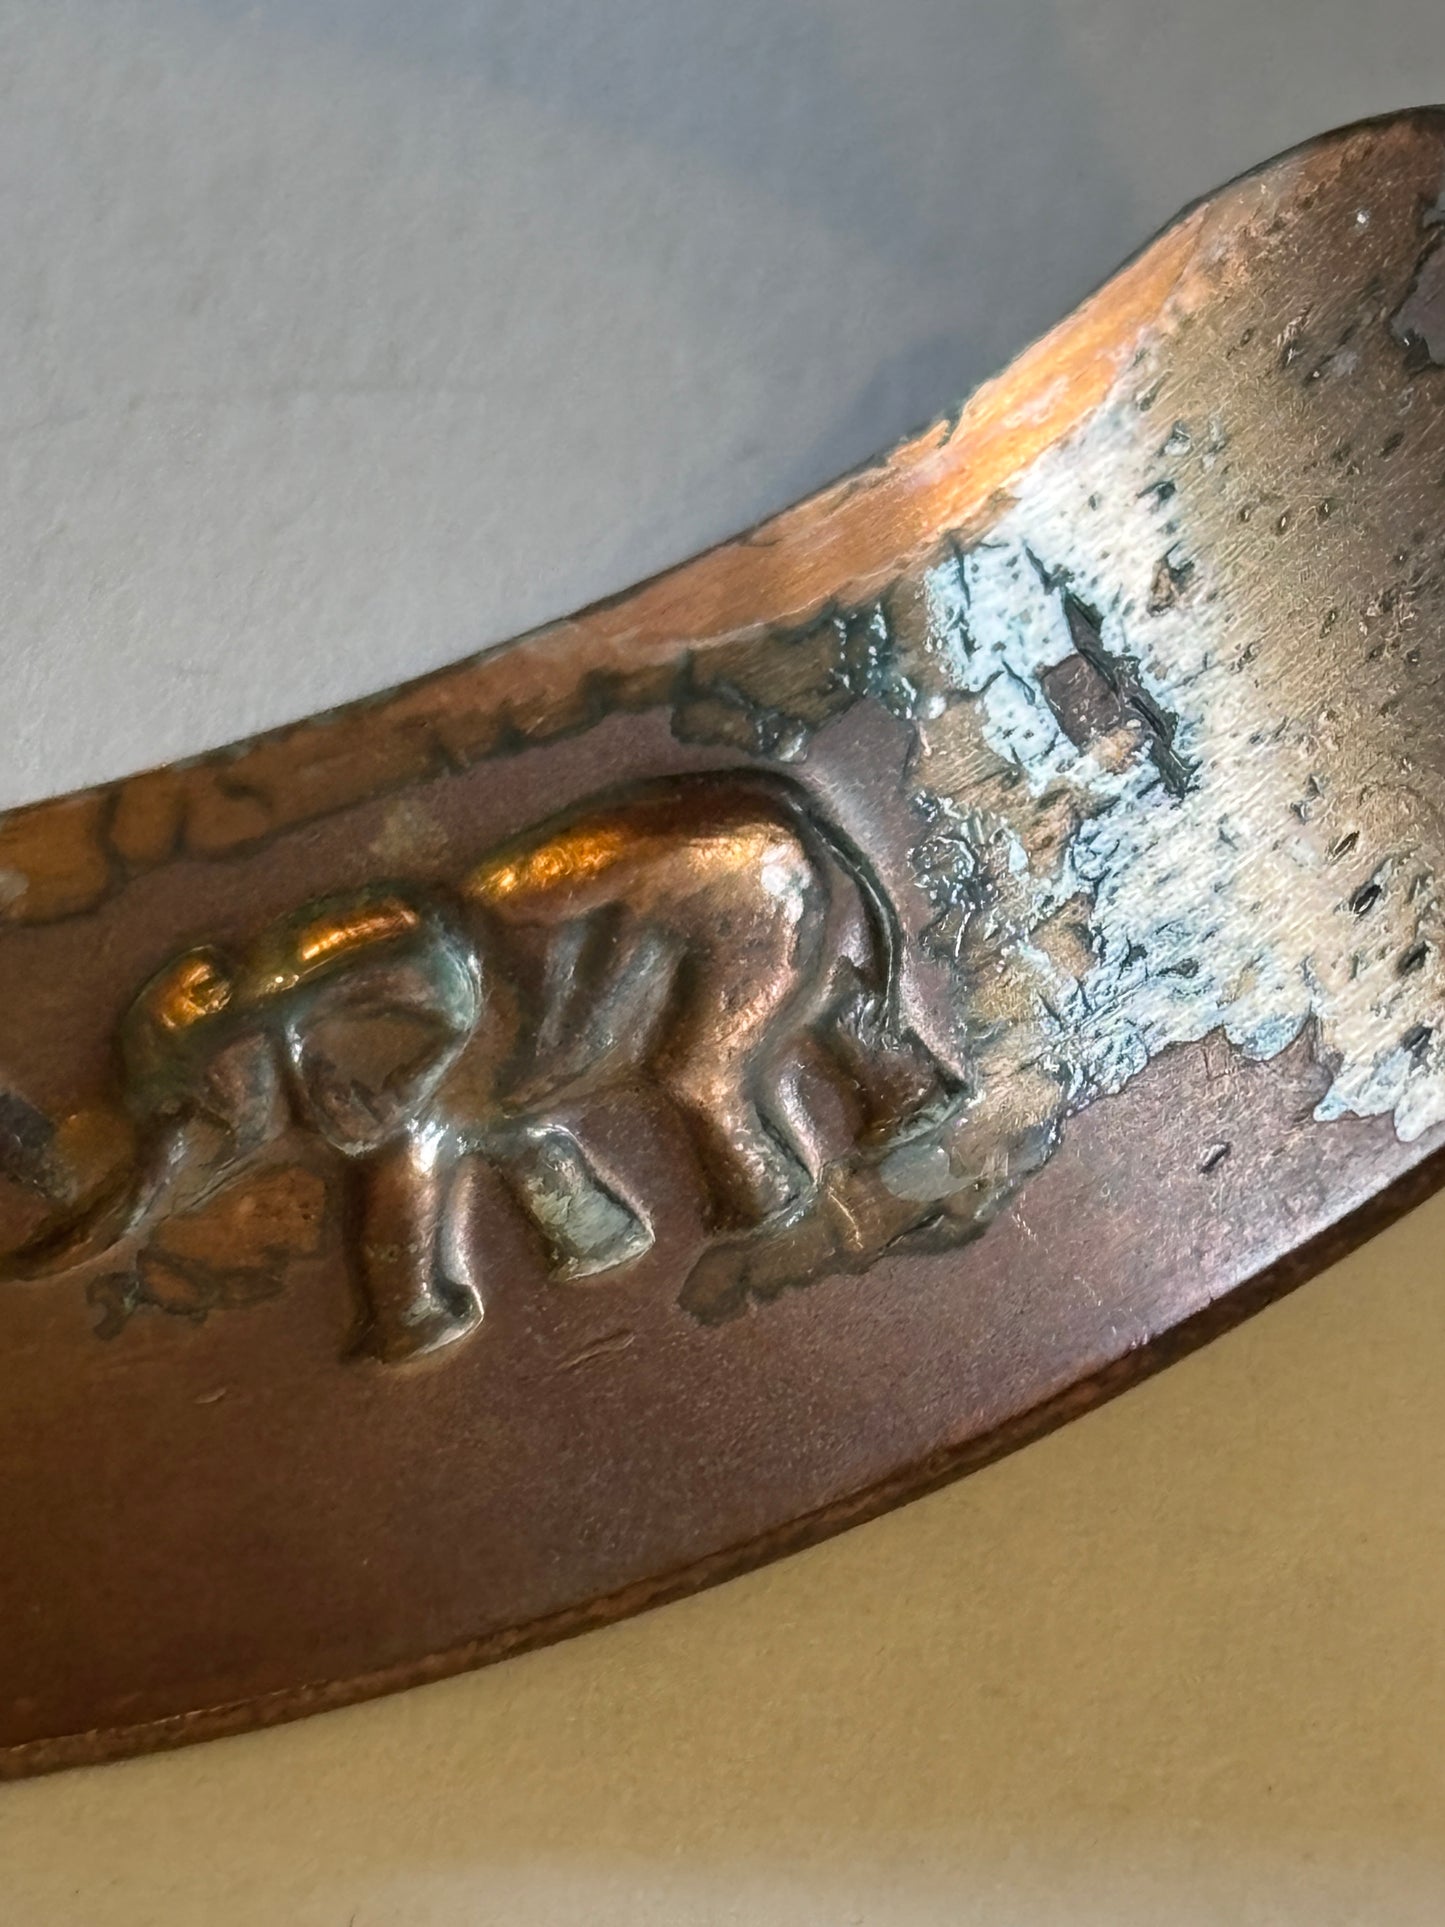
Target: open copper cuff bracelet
495	1156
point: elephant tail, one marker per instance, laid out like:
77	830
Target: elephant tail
882	971
900	1079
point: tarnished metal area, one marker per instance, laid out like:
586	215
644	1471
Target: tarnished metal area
702	941
482	1160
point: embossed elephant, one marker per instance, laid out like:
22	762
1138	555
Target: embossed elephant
694	933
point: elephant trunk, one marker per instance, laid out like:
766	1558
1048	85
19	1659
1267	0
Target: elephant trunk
123	1210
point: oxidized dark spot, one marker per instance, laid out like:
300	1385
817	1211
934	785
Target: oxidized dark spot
1413	958
1121	675
26	1136
1419	321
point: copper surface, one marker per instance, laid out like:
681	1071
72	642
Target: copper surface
481	1161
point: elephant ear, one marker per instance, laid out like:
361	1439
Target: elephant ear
190	1046
384	994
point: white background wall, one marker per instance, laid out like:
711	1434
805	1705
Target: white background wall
344	336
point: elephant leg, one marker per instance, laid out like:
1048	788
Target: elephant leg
411	1306
895	1079
714	1068
585	1224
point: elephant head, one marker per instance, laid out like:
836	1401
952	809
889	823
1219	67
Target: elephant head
344	1018
367	1000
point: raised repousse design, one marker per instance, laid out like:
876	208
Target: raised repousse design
1044	826
701	934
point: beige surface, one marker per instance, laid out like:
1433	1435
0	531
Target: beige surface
1181	1663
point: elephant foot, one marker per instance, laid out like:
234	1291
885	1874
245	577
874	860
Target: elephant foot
934	1120
619	1237
586	1226
759	1188
429	1326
